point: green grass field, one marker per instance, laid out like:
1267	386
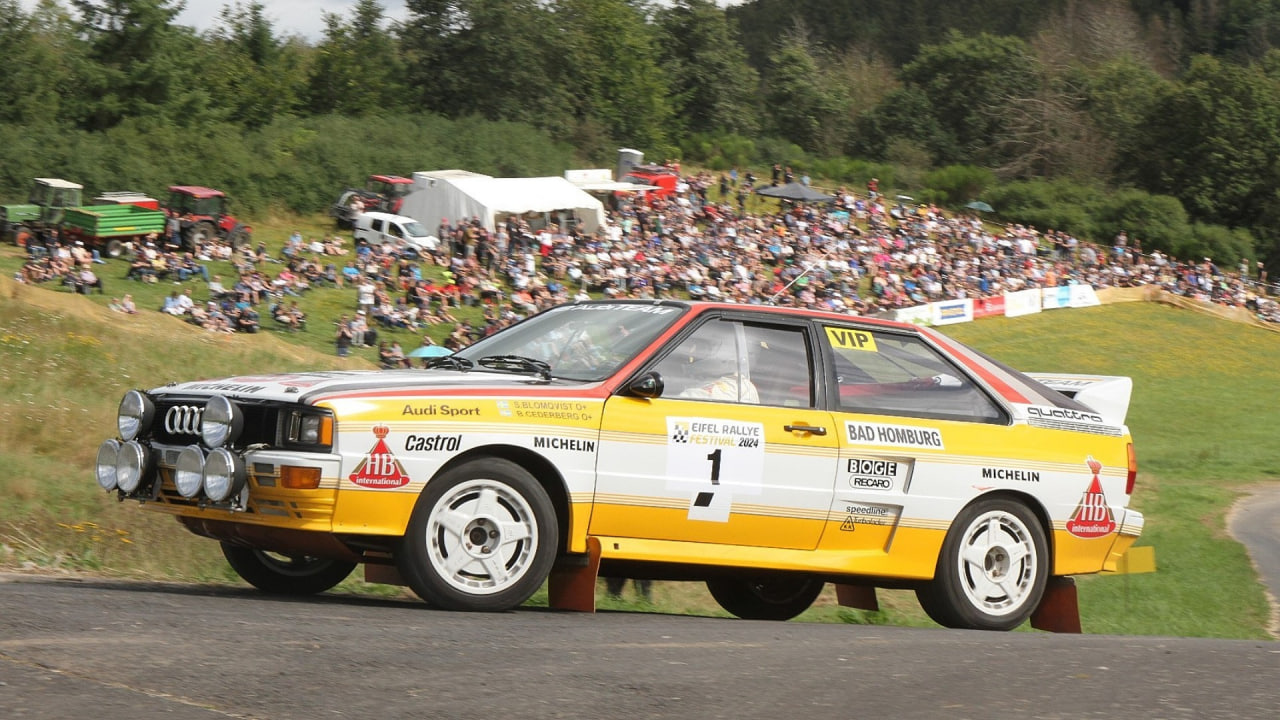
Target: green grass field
1202	415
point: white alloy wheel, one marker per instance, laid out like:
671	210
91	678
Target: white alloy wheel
993	568
998	563
483	536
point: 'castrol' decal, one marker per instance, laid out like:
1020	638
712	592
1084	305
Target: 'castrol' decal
1093	517
380	470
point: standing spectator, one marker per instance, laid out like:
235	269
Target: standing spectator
343	340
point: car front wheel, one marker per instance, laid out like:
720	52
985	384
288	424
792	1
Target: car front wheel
780	597
483	537
993	568
285	574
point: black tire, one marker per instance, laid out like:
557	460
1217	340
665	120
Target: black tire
115	248
771	597
483	537
993	568
201	232
285	574
238	238
22	235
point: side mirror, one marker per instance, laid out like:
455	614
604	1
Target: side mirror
648	385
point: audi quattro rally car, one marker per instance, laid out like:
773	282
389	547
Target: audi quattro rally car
765	451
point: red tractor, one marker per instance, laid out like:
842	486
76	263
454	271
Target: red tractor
381	193
202	213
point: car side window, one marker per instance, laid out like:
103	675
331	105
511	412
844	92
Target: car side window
887	373
730	361
394	230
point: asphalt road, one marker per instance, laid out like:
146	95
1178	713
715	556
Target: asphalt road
138	651
1254	521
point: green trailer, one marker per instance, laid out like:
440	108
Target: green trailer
110	227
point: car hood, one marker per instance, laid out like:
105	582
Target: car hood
310	387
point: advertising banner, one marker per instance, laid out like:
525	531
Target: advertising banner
1023	302
949	312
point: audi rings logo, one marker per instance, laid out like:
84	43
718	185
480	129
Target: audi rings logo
183	420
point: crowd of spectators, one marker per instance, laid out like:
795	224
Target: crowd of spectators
860	254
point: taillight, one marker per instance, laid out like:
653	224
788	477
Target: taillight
1133	470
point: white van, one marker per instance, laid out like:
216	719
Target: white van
379	228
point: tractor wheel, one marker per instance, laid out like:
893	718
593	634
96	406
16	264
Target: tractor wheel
239	238
200	233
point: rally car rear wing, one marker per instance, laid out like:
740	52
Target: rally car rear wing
1107	395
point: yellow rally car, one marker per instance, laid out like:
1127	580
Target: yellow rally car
765	451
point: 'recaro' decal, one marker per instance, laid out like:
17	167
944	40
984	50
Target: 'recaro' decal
1093	518
380	469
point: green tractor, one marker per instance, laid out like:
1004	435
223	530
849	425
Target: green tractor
45	209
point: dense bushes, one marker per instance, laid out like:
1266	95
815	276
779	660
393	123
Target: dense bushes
293	164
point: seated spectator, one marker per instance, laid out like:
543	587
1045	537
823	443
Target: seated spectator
247	321
386	359
178	304
86	281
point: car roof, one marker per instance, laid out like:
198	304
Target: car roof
701	306
387	216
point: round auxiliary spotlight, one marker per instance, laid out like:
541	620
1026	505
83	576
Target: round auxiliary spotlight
131	466
221	422
135	414
224	475
188	472
104	469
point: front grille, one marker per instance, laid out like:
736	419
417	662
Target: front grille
261	422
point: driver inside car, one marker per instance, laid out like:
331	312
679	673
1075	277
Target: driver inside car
709	366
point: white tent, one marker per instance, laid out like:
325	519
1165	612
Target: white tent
461	195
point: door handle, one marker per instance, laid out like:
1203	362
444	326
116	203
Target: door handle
811	429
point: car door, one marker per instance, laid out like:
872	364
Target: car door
913	431
735	449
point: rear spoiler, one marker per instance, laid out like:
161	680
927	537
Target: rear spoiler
1107	395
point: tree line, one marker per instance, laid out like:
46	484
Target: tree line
1157	117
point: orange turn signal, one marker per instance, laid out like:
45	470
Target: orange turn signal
299	478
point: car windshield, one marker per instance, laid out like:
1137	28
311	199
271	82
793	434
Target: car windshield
583	341
415	229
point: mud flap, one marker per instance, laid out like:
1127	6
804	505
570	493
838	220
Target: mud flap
862	597
1059	609
572	585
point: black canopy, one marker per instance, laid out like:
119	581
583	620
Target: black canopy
795	191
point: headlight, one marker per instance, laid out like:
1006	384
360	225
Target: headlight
105	467
224	475
309	429
131	465
135	414
221	422
188	473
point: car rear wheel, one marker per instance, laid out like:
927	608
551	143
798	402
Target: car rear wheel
285	574
776	597
993	568
482	537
